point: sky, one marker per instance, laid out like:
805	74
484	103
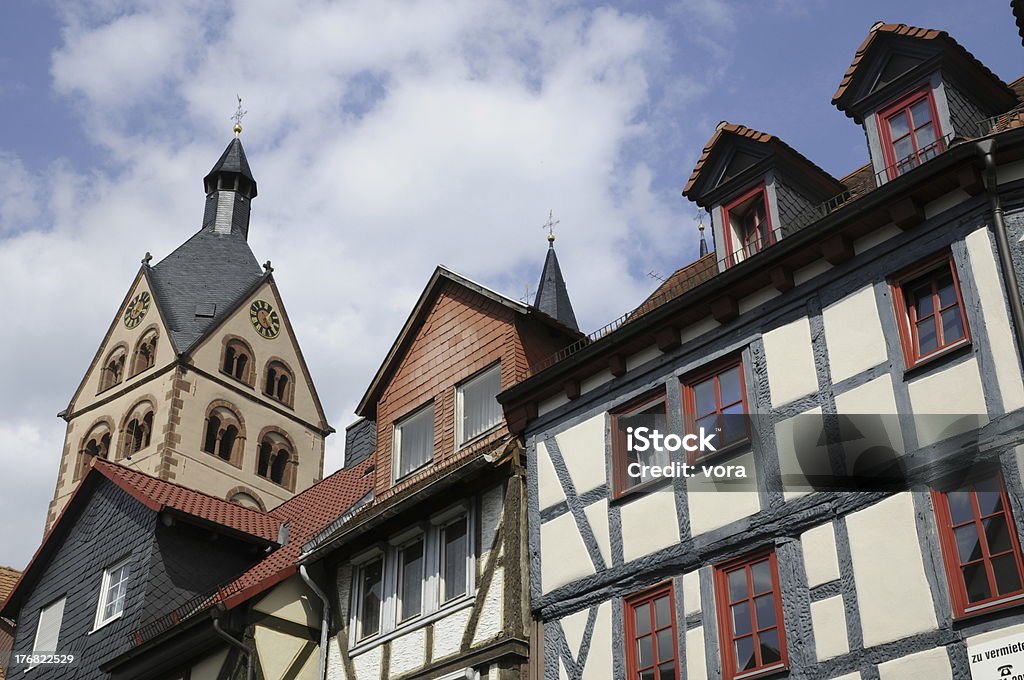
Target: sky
386	138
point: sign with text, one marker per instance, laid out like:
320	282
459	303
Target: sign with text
1001	659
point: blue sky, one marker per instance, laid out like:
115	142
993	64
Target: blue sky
386	138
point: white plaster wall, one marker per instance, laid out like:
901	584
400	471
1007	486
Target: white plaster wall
595	381
551	403
821	561
649	523
853	334
713	504
367	664
873	397
955	391
490	623
573	627
993	635
932	664
989	288
408	652
563	556
277	652
292	601
945	202
697	329
642	357
696	665
791	434
755	300
876	237
829	621
849	676
791	370
893	594
599	664
582	448
597	518
209	667
549	489
691	592
448	632
805	274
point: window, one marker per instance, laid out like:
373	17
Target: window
715	400
48	628
418	572
137	431
930	311
647	411
95	444
277	459
749	608
908	133
145	352
652	642
112	593
414	441
979	545
747	225
224	435
237	361
476	405
278	383
113	368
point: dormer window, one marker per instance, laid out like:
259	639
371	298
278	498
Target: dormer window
908	133
748	226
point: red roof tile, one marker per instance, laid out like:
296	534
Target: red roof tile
8	577
682	280
160	495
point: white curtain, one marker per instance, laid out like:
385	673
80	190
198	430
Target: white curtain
480	408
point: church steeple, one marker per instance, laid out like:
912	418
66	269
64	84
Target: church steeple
552	295
230	187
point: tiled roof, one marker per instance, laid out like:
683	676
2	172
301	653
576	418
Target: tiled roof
910	32
725	128
682	280
1018	87
8	577
160	495
306	515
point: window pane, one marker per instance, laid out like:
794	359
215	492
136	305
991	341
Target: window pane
947	291
455	556
667	671
952	325
741	619
729	385
898	125
960	508
967	544
480	408
771	652
920	112
762	576
923	300
997	534
416	437
903	148
645	650
648	674
745	654
990	499
642	614
411	568
927	341
976	582
369	610
737	585
925	138
704	397
666	649
1007	576
765	611
663	614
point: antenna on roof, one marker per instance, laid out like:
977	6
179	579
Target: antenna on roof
527	294
655	275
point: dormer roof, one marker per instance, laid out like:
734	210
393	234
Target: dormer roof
894	53
737	150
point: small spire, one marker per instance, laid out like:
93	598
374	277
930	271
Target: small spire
239	114
550	226
147	259
267	267
700	227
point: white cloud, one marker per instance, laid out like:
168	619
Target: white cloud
386	138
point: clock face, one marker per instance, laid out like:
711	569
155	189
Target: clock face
136	310
264	319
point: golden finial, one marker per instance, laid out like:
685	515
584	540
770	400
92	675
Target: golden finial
550	226
239	113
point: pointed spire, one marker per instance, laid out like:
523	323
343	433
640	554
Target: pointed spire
552	295
700	227
230	187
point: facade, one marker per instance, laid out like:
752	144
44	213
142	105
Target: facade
199	378
888	300
428	580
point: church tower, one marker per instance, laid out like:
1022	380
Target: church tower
552	295
199	378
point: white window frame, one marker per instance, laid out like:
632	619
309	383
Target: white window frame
419	536
460	439
101	620
441	528
432	607
396	442
36	649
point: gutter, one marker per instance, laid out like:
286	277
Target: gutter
325	619
221	633
986	149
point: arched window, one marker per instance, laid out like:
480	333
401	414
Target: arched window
276	460
112	371
95	444
246	499
225	433
145	352
137	430
237	361
278	383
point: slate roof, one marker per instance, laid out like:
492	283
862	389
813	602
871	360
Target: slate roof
209	268
232	160
947	42
552	295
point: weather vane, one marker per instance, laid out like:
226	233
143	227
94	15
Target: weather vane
550	226
239	114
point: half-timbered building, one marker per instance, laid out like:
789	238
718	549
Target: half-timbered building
893	295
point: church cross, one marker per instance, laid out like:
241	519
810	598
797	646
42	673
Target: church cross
550	226
239	114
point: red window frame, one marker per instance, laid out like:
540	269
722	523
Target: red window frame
885	132
620	457
727	210
724	609
690	415
634	603
906	315
962	606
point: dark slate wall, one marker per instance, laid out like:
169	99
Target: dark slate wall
112	526
963	112
796	211
360	441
